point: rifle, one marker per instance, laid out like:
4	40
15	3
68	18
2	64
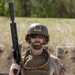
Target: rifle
16	52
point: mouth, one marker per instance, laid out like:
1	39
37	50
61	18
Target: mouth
37	43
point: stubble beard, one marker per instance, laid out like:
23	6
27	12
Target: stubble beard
37	47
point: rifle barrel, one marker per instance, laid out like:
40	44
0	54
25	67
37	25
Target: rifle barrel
11	9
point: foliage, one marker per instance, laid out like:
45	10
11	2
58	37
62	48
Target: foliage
1	8
4	10
40	8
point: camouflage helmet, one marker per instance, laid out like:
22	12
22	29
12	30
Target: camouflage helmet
37	28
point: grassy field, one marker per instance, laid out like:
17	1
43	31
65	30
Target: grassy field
61	31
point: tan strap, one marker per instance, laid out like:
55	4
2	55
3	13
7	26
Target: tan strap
34	68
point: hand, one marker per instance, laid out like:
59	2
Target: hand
14	66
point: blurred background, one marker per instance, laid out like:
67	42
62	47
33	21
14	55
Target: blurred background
40	8
57	15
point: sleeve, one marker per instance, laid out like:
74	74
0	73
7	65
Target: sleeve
60	68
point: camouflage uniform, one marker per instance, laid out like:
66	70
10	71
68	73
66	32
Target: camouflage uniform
44	64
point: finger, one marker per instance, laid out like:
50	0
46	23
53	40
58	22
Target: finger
16	66
13	61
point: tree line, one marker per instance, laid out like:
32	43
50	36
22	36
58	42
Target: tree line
40	8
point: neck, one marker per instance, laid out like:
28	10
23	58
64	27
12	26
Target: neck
36	52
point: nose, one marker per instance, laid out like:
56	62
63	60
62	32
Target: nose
37	38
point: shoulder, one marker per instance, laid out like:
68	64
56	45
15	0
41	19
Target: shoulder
54	58
56	61
58	65
24	50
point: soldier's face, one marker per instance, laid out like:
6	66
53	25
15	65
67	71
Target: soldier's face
37	39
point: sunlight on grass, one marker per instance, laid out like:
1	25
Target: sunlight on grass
61	31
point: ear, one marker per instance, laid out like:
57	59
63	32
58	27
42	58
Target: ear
43	41
27	38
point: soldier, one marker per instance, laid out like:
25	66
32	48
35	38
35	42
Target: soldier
37	60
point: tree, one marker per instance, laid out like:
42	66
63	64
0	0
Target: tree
40	8
22	8
1	8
